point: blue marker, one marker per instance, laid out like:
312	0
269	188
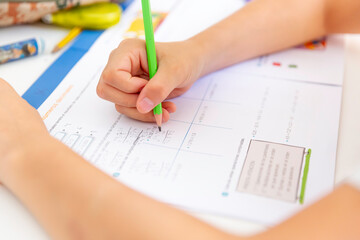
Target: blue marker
21	50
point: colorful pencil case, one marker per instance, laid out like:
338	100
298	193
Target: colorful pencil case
27	11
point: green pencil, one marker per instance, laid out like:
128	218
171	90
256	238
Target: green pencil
151	52
305	175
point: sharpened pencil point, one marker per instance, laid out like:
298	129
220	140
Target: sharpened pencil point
56	49
158	118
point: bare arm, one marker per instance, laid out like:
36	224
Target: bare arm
74	200
334	217
264	26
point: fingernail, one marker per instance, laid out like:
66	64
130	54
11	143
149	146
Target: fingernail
146	105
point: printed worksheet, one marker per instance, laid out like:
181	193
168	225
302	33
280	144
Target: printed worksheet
307	62
252	146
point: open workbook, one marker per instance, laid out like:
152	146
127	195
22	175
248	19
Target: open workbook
239	143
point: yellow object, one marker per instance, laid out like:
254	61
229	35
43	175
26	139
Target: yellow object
71	35
96	16
136	29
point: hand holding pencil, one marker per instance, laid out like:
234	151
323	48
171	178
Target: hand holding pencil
140	76
125	79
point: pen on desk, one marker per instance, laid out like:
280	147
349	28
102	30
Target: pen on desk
71	35
151	52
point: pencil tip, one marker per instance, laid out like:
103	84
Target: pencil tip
158	119
56	49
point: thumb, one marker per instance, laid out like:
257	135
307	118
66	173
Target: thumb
156	90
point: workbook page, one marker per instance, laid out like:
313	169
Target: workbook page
252	146
310	62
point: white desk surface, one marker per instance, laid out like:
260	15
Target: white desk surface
17	223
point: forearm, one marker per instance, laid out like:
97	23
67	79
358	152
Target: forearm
266	26
57	186
334	217
74	200
342	16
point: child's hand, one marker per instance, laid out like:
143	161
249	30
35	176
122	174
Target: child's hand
124	80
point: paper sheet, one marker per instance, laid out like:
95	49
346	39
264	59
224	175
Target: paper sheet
303	64
234	147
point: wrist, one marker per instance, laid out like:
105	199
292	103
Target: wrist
202	51
199	53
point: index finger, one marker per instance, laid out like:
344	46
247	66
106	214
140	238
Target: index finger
122	80
125	66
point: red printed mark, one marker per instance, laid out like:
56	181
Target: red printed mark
277	64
